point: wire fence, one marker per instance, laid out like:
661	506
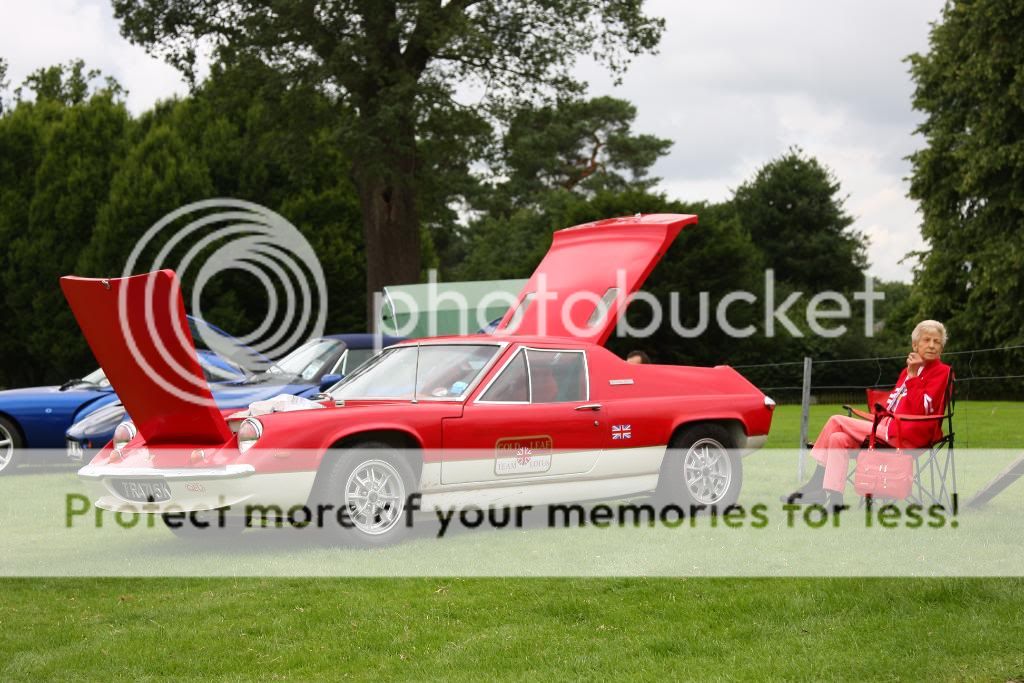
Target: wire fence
990	373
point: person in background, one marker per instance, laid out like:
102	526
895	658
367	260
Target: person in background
920	390
638	358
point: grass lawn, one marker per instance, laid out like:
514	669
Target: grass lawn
473	628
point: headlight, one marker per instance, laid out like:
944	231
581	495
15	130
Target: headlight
249	432
124	433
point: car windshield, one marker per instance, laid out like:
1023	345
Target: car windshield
209	337
305	364
96	378
226	371
444	371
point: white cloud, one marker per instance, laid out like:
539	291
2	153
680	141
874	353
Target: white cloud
737	83
35	35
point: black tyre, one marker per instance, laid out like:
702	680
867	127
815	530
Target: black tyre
368	489
702	470
203	526
10	445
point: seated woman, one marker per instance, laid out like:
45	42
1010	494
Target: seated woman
920	390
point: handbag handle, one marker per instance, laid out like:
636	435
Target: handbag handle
879	413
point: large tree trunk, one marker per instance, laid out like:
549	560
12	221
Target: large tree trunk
391	226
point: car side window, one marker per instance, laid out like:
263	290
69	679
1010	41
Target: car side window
354	358
513	384
557	376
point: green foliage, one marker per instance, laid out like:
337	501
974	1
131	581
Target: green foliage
969	178
795	215
67	84
392	69
329	219
63	160
727	252
22	139
3	84
577	145
80	183
161	173
559	165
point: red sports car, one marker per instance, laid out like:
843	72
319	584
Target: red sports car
537	413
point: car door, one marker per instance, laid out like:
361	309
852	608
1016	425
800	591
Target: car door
532	421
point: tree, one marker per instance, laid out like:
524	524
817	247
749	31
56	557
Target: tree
715	257
795	215
3	84
552	158
160	171
69	84
393	66
244	133
64	147
577	145
23	131
969	175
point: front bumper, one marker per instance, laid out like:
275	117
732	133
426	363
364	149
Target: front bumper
198	488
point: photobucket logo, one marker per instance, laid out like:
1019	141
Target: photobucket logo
541	309
231	235
823	312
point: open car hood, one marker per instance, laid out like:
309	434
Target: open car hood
152	364
594	267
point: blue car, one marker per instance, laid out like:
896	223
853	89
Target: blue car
38	417
309	369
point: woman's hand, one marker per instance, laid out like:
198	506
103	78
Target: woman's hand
914	364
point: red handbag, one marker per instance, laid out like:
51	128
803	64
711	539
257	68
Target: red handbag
884	473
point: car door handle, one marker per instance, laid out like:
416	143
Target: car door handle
588	406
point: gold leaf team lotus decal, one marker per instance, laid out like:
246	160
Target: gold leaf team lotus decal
523	455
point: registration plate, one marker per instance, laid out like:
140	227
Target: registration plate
143	490
74	450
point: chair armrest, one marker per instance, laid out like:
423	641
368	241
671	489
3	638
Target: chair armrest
860	413
918	418
849	411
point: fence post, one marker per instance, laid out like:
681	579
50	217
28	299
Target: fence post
805	411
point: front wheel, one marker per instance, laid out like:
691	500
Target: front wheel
10	443
702	470
370	486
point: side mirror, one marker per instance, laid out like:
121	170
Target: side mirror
328	381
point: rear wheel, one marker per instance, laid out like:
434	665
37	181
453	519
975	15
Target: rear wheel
702	470
368	488
10	443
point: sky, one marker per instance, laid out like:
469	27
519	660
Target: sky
734	85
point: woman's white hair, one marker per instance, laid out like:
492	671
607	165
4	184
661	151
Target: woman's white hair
925	325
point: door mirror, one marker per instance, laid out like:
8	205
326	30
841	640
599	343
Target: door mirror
327	381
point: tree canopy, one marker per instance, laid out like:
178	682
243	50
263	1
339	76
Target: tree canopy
582	145
794	212
3	84
78	170
394	67
969	177
60	152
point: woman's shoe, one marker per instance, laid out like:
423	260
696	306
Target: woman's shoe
813	486
814	497
834	501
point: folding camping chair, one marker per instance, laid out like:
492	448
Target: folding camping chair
934	466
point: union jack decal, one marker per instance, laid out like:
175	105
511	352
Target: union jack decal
622	431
